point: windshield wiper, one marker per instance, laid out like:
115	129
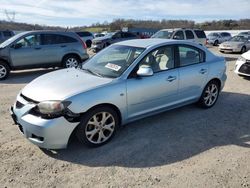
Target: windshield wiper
92	72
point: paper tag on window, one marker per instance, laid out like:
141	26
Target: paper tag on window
113	66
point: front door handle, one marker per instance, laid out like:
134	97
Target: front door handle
203	71
38	48
63	46
171	78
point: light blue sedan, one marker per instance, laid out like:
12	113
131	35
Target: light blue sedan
122	83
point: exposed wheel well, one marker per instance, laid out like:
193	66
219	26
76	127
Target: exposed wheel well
216	80
4	61
111	106
72	136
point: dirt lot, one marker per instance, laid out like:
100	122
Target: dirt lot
186	147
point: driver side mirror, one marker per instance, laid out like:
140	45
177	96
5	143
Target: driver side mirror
145	71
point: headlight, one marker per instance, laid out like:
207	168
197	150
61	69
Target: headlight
52	107
241	59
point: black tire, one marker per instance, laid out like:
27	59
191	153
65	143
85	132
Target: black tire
4	70
216	43
205	95
243	49
88	43
85	126
73	58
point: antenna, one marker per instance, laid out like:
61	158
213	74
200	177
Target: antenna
10	15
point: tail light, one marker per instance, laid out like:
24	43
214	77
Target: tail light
206	42
83	44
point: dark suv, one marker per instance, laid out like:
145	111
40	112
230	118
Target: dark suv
4	35
38	49
111	38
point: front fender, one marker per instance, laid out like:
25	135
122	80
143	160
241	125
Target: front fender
114	94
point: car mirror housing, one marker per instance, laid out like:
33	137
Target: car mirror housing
145	71
17	46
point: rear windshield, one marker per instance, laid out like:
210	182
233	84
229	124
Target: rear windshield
200	33
84	34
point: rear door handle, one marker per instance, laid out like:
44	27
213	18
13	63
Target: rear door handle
171	78
63	46
203	71
38	48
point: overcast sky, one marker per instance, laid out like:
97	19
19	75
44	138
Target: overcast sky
86	12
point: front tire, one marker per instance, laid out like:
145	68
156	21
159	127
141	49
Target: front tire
4	70
209	95
71	61
97	126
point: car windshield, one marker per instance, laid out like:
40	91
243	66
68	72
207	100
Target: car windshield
239	39
213	34
112	61
10	40
163	34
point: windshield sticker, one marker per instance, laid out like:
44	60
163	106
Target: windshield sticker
113	67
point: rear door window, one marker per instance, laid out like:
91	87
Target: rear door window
189	34
179	35
189	55
50	39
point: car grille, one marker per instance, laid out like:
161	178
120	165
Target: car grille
245	68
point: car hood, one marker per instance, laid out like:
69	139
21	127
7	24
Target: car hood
62	84
232	43
102	38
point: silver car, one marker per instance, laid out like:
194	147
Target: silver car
216	38
239	43
125	82
38	49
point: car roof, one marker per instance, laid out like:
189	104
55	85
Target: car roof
145	43
46	31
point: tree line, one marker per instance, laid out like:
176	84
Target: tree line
130	23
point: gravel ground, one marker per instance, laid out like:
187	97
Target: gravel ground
186	147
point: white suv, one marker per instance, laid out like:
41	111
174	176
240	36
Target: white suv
194	35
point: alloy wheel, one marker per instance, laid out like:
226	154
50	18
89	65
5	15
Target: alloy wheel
3	71
71	62
211	94
100	127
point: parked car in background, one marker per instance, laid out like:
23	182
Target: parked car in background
87	37
37	49
122	83
245	33
96	35
216	38
111	38
239	43
4	35
242	66
194	35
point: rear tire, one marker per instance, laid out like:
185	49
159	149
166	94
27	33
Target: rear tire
97	126
4	70
71	61
209	95
216	43
243	50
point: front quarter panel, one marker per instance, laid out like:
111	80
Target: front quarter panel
113	93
